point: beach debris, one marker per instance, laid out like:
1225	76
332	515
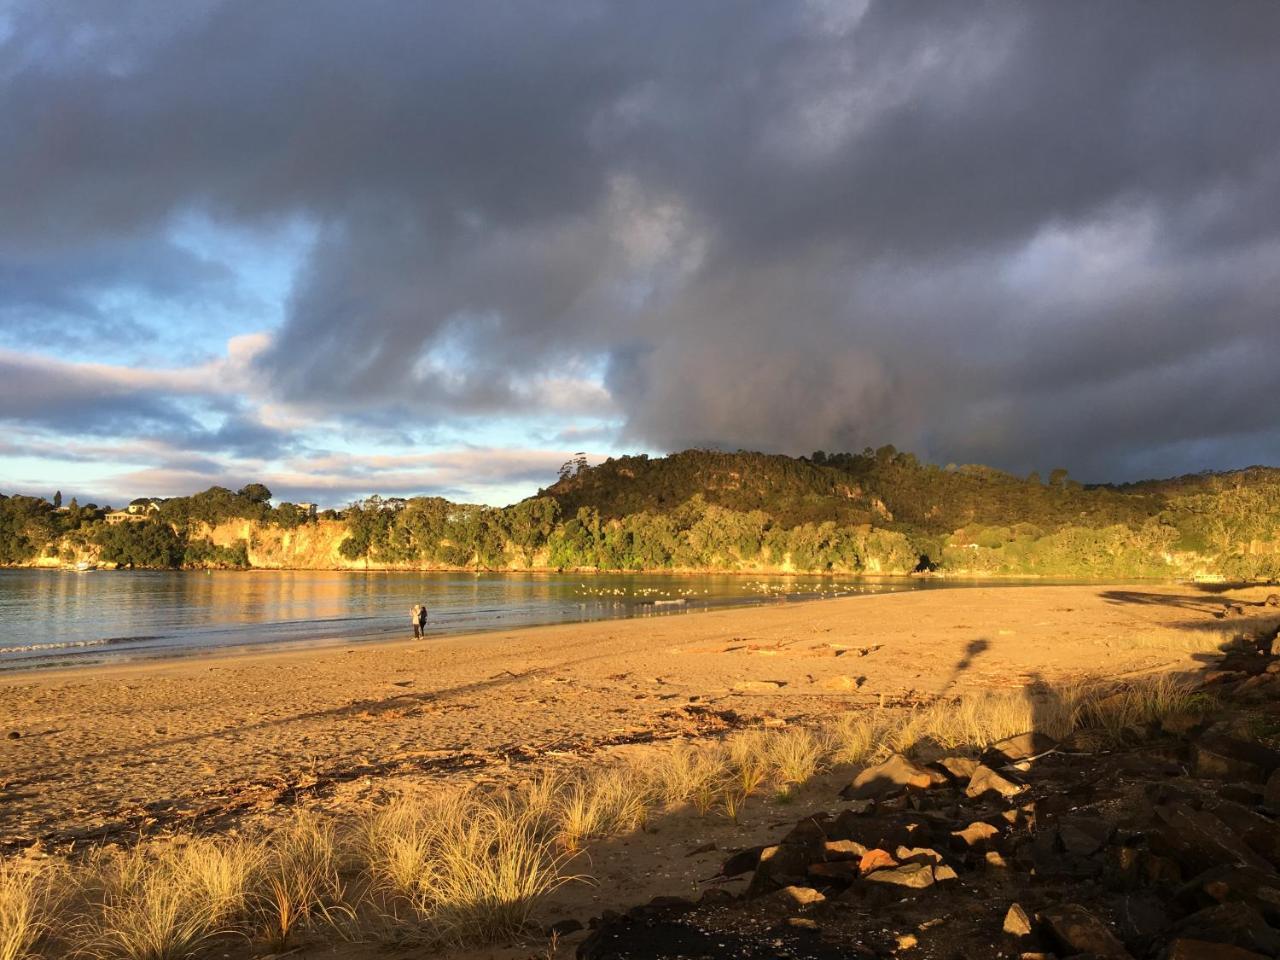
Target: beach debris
759	686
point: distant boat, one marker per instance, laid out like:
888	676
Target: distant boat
84	566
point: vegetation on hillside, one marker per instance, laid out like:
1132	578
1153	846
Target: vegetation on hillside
879	511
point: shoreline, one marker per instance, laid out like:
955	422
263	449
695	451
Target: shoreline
80	655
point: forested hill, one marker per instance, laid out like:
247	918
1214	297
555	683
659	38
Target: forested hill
879	511
881	487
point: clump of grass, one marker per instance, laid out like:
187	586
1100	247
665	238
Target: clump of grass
27	905
795	756
164	903
582	814
858	738
690	773
1116	709
488	875
625	797
299	880
747	758
469	868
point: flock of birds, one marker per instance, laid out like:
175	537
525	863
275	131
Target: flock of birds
667	596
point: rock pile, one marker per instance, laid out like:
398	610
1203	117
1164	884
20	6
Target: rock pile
1165	847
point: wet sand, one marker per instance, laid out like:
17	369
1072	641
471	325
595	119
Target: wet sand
197	742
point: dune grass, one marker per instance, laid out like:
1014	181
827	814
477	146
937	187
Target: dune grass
27	907
469	865
150	903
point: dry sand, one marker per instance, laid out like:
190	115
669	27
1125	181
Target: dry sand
196	742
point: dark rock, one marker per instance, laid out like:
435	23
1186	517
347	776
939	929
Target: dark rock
809	830
1235	923
1025	746
741	862
1083	836
836	871
1249	794
15	735
1226	884
986	780
1184	949
1226	758
1140	918
1078	931
913	875
780	866
890	778
1258	832
1125	865
1202	840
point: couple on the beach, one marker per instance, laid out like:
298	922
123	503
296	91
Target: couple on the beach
419	617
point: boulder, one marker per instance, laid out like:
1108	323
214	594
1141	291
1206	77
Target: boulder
1259	833
1077	930
1226	758
780	866
1237	924
890	778
1201	840
913	875
985	780
1227	884
958	768
810	830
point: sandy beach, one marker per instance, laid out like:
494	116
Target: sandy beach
96	753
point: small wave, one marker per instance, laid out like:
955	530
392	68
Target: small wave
74	644
62	645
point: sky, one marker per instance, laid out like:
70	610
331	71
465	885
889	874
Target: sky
438	248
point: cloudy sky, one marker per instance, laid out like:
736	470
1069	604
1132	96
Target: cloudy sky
439	247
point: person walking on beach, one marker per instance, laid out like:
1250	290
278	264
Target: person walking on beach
418	616
422	620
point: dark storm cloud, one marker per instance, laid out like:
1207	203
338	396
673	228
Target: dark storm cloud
1026	233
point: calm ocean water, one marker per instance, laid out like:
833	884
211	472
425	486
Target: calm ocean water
57	618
